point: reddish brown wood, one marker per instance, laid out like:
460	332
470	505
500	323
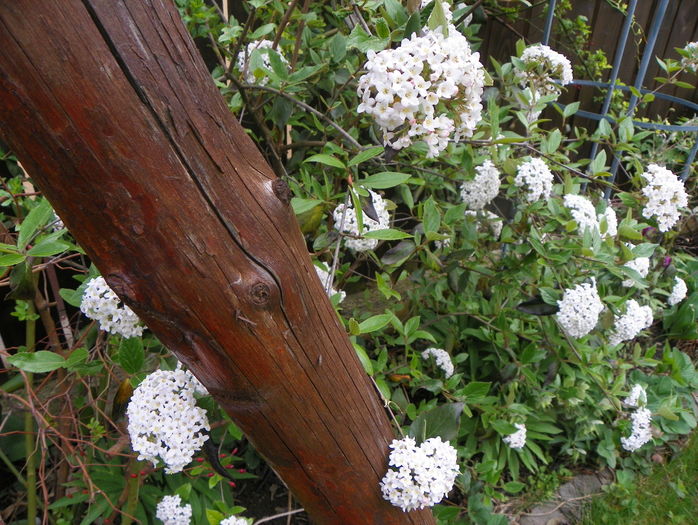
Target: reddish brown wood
111	110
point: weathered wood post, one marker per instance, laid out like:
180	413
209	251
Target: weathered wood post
113	113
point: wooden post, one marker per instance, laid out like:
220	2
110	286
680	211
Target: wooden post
111	110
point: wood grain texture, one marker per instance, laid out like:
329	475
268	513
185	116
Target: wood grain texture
111	110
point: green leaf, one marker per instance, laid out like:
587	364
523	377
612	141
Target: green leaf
604	128
387	235
131	355
513	487
554	140
432	217
384	180
76	357
303	205
374	323
570	109
442	421
365	155
413	25
10	259
95	511
277	65
338	47
503	427
261	31
329	160
363	357
37	362
214	517
399	253
437	19
475	390
37	217
395	11
65	501
359	39
48	248
599	163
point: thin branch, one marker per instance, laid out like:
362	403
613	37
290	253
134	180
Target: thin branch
309	109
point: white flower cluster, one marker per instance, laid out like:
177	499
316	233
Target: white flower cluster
678	292
480	191
243	61
641	432
690	62
424	475
637	397
545	70
164	421
582	211
232	520
579	309
665	195
641	265
627	326
324	277
351	224
101	304
535	176
516	440
428	88
443	360
171	511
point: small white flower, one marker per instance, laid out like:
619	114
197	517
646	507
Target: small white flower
665	195
637	397
443	360
627	326
582	211
641	265
233	520
170	512
579	311
641	432
351	223
101	304
164	421
517	440
424	475
536	178
480	191
678	292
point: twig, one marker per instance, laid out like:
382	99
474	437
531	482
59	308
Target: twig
562	504
308	108
284	23
280	515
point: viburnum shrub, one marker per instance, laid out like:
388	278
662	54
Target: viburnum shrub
518	312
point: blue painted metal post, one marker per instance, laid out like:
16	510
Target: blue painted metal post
617	59
647	55
549	22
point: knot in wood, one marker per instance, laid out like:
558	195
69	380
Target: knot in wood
281	190
260	293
